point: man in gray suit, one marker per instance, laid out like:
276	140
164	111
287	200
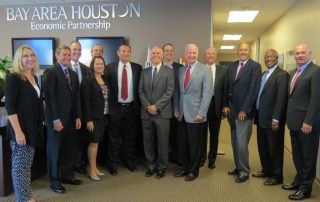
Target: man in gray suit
242	86
192	99
303	120
156	89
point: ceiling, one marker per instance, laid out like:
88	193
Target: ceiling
270	11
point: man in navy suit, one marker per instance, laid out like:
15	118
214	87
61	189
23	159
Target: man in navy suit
123	79
270	119
303	120
242	85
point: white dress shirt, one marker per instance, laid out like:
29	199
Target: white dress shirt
130	82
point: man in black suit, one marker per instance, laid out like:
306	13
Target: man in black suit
242	86
303	120
168	56
219	74
62	96
270	119
123	79
80	163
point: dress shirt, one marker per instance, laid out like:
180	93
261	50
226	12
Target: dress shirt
77	69
239	66
130	83
158	69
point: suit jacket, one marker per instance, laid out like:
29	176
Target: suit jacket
112	80
85	71
195	100
241	93
176	66
273	99
158	92
61	102
22	99
219	88
92	99
304	101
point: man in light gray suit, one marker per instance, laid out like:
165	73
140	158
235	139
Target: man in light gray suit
156	89
192	99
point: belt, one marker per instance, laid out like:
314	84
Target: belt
125	104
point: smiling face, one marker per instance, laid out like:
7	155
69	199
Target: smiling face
168	52
156	55
124	54
271	58
75	51
211	56
28	59
64	56
244	52
98	66
191	53
302	54
97	50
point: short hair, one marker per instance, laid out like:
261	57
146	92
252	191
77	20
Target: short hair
76	42
167	44
124	44
97	45
17	61
92	63
62	47
274	52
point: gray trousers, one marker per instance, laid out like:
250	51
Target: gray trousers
240	137
156	141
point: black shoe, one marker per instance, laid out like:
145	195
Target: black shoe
290	187
211	165
299	195
149	173
80	169
58	189
113	171
132	168
234	172
259	174
272	182
202	163
241	178
180	173
190	177
71	181
160	174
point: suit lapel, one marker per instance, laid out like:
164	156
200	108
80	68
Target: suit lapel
115	80
300	77
244	70
271	78
194	73
61	74
160	73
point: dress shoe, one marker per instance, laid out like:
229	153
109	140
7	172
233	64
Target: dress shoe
211	165
241	178
272	182
160	174
94	177
71	181
101	174
113	171
180	173
58	189
299	195
290	187
132	168
190	177
80	170
234	172
149	173
202	163
259	174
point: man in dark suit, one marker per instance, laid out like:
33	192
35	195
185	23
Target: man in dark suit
214	115
270	119
242	86
191	102
62	96
303	120
80	163
123	79
168	56
156	88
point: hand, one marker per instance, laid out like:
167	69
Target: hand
153	109
78	123
306	129
225	111
20	138
199	118
57	126
176	114
242	116
275	125
90	126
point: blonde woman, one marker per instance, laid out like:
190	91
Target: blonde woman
25	129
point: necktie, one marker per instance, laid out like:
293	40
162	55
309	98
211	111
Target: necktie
66	73
294	79
241	67
263	82
154	74
187	77
124	84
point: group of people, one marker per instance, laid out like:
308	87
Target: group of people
174	105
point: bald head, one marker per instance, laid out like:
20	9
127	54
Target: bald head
156	55
211	55
302	54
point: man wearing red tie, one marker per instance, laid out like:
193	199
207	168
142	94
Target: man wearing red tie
123	80
303	120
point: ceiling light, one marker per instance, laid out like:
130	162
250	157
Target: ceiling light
242	16
232	37
227	47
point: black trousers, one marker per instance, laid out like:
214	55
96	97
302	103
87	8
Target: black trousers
271	147
81	159
190	145
122	136
304	154
173	141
